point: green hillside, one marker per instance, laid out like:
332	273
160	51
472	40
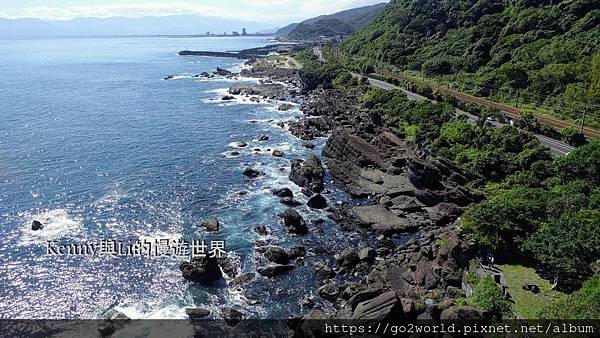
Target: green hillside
546	51
344	23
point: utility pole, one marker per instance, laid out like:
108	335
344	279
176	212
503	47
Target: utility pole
582	120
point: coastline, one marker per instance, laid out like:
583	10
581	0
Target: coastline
406	204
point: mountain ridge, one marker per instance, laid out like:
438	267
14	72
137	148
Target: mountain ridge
354	19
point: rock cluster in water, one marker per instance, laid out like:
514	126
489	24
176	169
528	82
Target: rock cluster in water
407	190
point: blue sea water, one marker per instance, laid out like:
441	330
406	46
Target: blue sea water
96	145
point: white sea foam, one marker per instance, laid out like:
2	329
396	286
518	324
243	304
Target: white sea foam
58	224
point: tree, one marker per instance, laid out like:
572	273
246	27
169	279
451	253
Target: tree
567	245
514	76
583	304
488	296
507	218
583	162
572	137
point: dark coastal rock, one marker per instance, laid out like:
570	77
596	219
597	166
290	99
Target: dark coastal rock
211	224
274	270
222	72
114	314
285	107
347	259
232	316
296	252
308	145
229	265
242	279
361	296
367	254
263	137
242	144
277	255
197	313
311	128
203	270
261	230
317	201
329	291
461	314
283	192
444	213
290	202
378	217
383	307
278	153
36	225
227	98
252	173
294	222
308	174
323	271
307	302
432	263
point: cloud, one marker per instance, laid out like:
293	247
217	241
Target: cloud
133	10
280	11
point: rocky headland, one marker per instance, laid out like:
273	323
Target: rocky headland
406	200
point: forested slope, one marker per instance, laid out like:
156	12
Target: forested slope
545	50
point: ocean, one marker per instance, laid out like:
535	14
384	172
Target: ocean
97	145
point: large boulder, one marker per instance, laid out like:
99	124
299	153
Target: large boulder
363	295
36	225
378	217
197	313
285	107
462	314
283	192
242	279
329	291
252	173
294	222
232	316
383	307
308	174
274	270
323	271
310	128
290	202
211	224
222	72
367	254
317	201
262	137
347	259
203	270
277	255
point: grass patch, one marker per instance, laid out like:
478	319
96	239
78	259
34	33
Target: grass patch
527	304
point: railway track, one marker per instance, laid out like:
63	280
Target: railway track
511	111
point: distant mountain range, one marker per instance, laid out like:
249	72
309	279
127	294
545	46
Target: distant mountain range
167	25
345	23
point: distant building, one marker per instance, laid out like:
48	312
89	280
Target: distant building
236	33
244	33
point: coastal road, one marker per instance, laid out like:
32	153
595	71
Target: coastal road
557	148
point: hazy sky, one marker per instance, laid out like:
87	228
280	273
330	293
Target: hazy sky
270	11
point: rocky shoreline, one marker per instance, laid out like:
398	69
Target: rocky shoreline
400	192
